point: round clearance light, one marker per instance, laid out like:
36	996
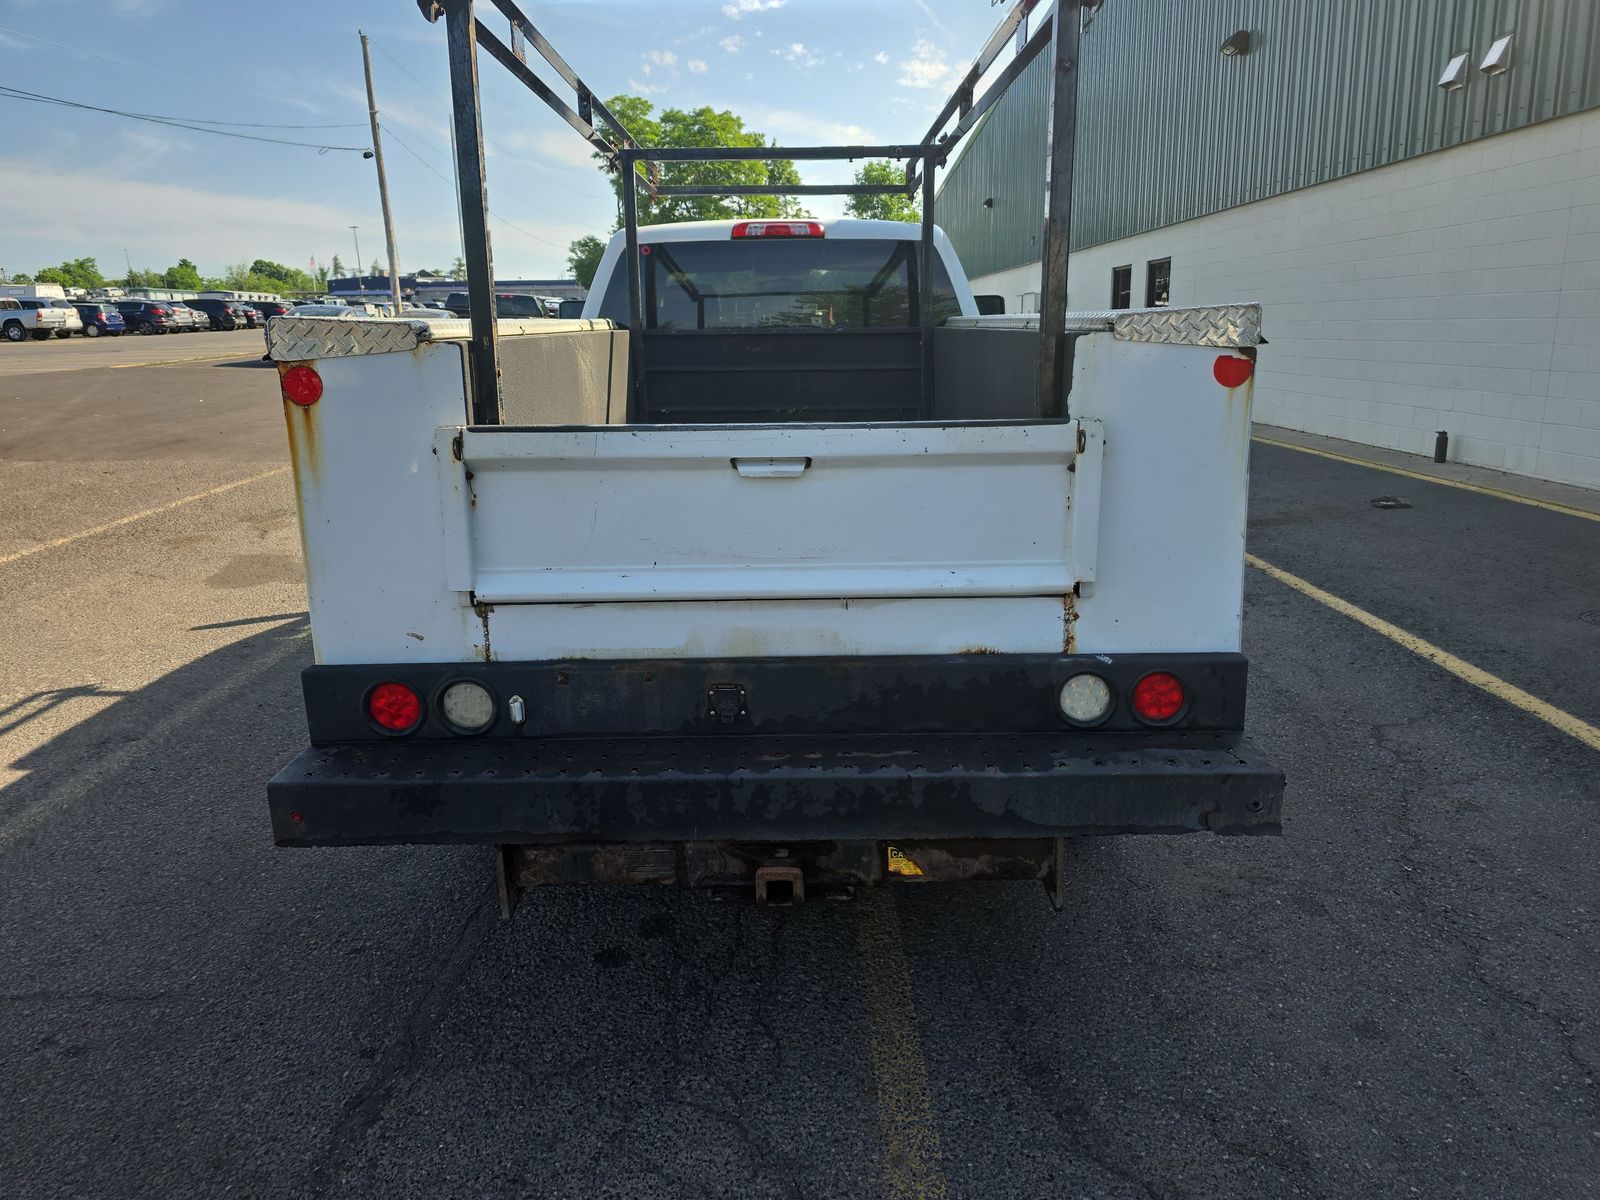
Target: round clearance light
1085	699
1158	696
395	707
467	706
1231	371
302	385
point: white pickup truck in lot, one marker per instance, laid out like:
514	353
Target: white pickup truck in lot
25	317
761	611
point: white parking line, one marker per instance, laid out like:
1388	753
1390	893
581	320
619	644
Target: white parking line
1556	718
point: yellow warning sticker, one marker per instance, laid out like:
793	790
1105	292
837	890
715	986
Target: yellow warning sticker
900	863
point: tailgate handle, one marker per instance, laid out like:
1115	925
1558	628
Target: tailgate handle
770	468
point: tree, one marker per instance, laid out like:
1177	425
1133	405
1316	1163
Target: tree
263	275
75	272
182	276
702	127
336	268
377	268
21	277
897	207
458	269
583	258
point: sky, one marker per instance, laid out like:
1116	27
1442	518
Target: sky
76	183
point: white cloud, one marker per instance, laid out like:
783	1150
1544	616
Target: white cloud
662	58
549	145
732	44
801	55
927	67
238	225
697	66
738	8
804	128
422	119
645	89
881	58
144	146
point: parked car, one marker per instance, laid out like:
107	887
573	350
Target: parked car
63	326
202	319
253	318
148	316
506	304
100	318
327	310
271	308
20	321
183	315
224	314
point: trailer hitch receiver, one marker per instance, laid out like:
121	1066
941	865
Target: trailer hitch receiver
780	886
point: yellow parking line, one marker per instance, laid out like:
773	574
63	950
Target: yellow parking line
138	516
913	1168
1557	718
1549	505
172	362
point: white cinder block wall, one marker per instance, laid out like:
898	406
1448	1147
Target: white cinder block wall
1459	290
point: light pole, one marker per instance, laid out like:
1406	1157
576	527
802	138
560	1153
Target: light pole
361	282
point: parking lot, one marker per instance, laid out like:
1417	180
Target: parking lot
1396	998
126	350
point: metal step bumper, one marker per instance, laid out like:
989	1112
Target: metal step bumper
774	789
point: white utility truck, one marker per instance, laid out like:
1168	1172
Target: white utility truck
779	571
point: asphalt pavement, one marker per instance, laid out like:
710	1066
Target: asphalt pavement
1396	998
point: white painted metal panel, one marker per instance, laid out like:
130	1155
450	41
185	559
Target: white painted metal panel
1168	571
769	512
802	628
370	503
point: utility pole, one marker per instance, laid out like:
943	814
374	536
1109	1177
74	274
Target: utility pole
128	258
383	180
361	283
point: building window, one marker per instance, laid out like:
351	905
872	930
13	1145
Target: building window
1157	282
1122	286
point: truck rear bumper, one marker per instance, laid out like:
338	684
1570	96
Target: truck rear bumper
776	789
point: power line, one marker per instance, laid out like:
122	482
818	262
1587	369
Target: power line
40	98
140	66
268	124
407	147
534	204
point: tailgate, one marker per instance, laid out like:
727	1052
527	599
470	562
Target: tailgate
669	513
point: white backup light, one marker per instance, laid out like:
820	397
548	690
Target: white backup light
1085	699
467	706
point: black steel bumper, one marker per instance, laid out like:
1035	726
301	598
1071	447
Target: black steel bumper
779	789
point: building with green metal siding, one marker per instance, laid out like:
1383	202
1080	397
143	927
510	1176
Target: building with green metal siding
1415	202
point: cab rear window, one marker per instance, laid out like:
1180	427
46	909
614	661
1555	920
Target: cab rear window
805	283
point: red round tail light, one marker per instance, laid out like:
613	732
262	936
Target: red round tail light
1230	371
395	707
1158	696
302	385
